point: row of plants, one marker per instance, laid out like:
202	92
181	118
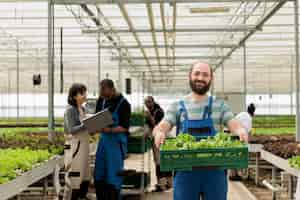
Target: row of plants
274	131
22	149
14	162
31	138
137	119
274	121
27	120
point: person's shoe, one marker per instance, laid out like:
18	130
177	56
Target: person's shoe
127	172
85	198
101	188
235	178
113	192
158	188
169	183
168	186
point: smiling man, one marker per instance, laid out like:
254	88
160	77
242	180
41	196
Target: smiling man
199	115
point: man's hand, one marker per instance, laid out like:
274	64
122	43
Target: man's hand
106	129
160	131
243	135
236	127
159	138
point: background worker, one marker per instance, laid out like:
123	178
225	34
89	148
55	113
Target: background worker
199	115
154	115
246	120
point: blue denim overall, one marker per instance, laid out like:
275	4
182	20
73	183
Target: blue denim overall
111	152
211	184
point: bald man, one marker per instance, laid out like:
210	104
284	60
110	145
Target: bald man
199	114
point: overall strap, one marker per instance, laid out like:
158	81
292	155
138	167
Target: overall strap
210	106
182	110
208	109
119	104
103	104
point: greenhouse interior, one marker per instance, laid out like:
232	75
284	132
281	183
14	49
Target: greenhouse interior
149	99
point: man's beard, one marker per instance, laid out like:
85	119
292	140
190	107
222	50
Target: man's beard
201	90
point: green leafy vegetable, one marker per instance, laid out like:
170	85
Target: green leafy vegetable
295	162
188	142
14	162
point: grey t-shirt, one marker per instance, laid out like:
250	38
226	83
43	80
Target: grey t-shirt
221	112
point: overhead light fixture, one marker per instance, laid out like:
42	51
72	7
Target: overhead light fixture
210	10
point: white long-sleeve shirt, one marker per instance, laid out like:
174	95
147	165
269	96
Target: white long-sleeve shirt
246	120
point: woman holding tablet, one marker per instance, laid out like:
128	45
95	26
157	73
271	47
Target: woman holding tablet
76	146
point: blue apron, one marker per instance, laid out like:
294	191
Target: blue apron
211	184
111	152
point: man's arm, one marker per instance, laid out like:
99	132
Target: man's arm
150	119
232	123
166	125
236	127
160	132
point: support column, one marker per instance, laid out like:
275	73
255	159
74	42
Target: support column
143	86
18	78
120	85
50	70
297	69
245	61
99	60
99	54
257	156
274	182
291	86
245	75
61	62
223	81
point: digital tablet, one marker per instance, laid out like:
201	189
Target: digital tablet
98	121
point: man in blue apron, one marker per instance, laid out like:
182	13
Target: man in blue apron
112	147
200	115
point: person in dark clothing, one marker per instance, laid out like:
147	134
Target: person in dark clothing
124	110
154	115
112	147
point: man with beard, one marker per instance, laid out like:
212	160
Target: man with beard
199	115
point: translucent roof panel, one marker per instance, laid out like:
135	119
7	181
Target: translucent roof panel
160	39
